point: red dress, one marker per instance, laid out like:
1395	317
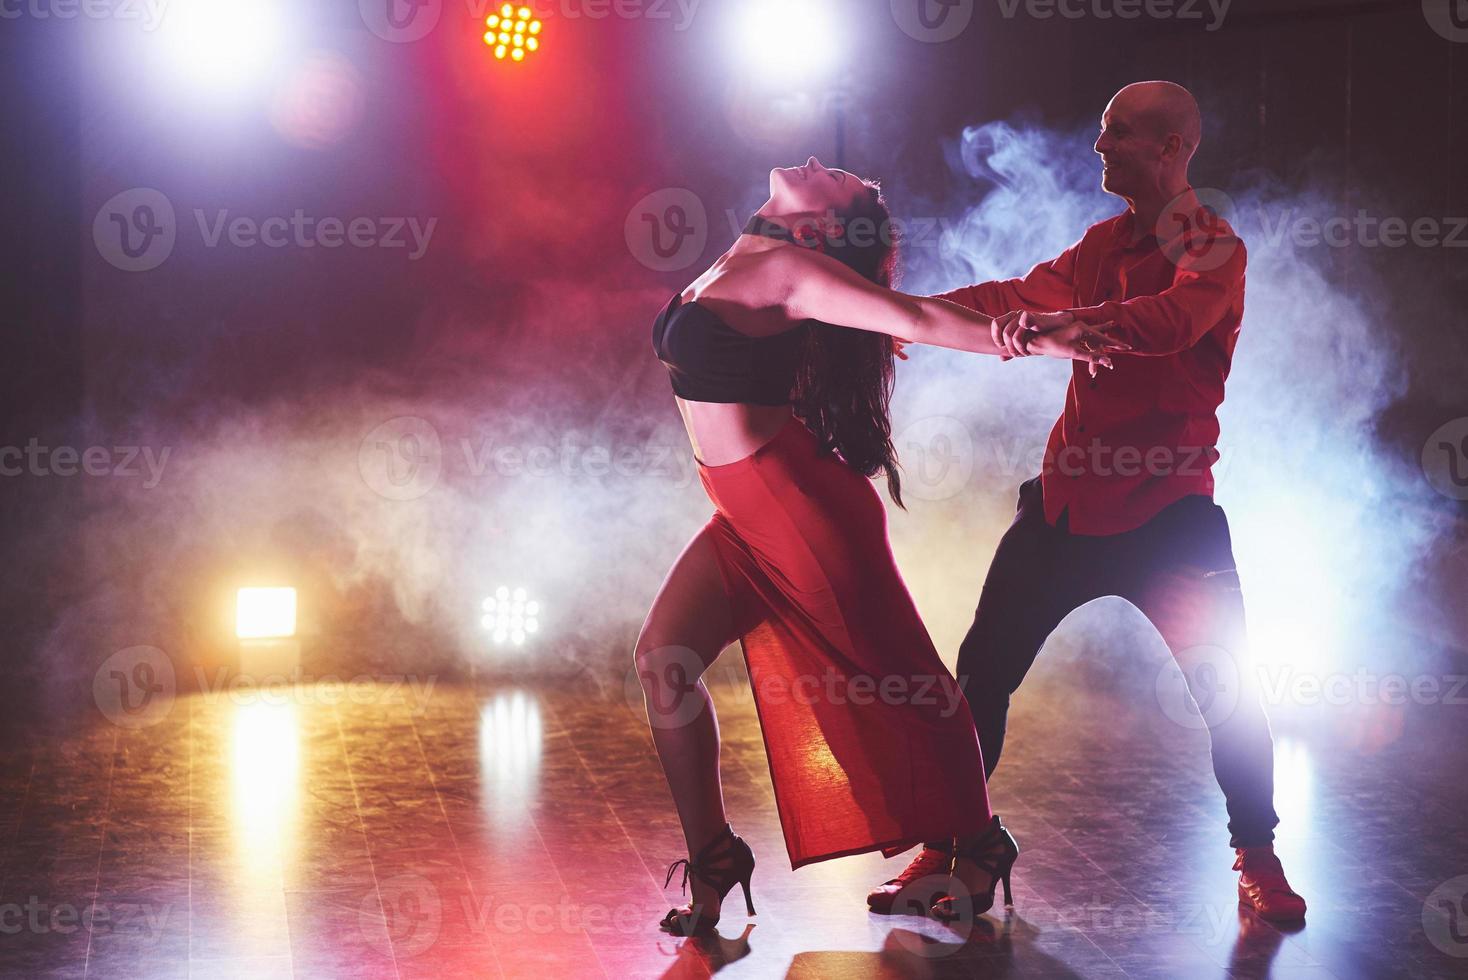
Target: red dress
870	741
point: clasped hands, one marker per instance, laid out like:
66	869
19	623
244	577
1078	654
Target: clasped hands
1060	334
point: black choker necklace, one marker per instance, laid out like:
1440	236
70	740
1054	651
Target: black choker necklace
758	225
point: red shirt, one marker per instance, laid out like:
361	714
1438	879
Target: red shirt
1141	436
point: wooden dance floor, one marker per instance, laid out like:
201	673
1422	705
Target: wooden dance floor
516	831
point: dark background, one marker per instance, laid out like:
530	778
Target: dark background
261	369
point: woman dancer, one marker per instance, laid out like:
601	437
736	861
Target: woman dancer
788	416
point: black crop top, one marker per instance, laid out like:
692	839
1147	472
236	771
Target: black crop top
710	361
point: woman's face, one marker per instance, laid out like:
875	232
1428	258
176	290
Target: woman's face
813	189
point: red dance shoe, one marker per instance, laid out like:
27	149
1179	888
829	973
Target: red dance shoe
1263	888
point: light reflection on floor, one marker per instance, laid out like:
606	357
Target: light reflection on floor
523	832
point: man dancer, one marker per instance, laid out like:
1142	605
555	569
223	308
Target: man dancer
1124	503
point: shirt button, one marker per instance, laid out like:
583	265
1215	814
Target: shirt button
1083	428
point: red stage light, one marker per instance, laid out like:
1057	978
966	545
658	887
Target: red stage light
512	33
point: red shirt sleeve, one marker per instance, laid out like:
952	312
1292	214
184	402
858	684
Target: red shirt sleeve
1048	287
1175	319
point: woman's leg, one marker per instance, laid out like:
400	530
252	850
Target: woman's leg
689	625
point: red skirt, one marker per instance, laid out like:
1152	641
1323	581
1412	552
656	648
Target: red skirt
870	740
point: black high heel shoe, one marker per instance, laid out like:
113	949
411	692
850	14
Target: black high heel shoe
995	854
724	862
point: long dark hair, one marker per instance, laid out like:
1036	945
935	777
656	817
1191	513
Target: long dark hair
843	390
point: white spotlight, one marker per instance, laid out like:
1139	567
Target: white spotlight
222	42
787	40
510	616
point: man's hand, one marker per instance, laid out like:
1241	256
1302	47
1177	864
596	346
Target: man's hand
1010	336
1062	335
1013	332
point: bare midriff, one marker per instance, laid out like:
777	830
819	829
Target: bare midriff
723	433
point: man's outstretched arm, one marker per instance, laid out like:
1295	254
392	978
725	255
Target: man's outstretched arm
1048	286
1179	316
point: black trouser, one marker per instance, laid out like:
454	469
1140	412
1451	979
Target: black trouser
1178	569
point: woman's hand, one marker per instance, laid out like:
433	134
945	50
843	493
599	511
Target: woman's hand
1062	335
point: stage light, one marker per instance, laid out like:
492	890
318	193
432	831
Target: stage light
223	43
513	33
787	40
265	614
510	616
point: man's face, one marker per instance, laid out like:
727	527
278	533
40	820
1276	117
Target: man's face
1131	155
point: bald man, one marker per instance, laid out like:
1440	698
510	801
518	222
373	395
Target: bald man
1124	502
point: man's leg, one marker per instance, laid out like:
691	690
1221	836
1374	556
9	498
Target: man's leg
1033	583
1179	571
1182	576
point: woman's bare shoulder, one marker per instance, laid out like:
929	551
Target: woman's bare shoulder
749	291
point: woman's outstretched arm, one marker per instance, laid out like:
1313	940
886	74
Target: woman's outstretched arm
820	288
